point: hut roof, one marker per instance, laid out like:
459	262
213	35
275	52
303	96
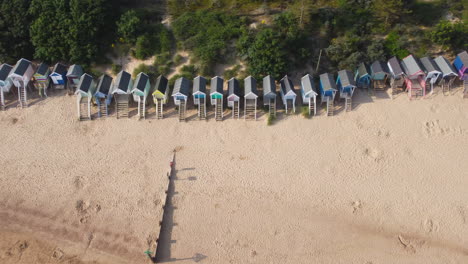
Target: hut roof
216	85
42	69
233	87
60	69
104	84
182	85
307	83
141	81
85	83
123	81
445	66
429	65
395	66
5	70
250	85
269	85
75	70
346	78
286	85
21	67
363	70
378	67
327	81
411	66
463	57
199	84
161	84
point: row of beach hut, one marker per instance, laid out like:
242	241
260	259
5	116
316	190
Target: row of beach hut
415	76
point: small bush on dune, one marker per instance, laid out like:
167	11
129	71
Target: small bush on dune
305	112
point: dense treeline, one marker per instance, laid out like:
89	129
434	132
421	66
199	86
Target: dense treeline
267	36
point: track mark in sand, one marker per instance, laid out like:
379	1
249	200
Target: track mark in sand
253	253
80	182
435	108
406	244
463	211
17	249
58	254
357	206
383	133
430	226
373	154
85	210
14	120
178	148
433	128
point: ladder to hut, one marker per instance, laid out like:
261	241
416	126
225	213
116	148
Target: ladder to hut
250	111
182	110
84	112
102	108
141	108
429	87
201	109
379	85
235	110
121	107
159	108
219	110
22	96
415	92
330	107
311	107
272	107
348	103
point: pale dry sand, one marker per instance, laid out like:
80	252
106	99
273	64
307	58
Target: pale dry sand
385	183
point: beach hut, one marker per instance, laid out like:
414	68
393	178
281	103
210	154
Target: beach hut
216	95
103	94
449	73
328	91
288	95
140	91
461	65
5	83
250	98
121	88
73	77
161	95
233	97
397	75
199	96
269	94
180	95
379	75
21	75
41	79
415	81
431	70
363	76
309	93
58	76
85	91
346	86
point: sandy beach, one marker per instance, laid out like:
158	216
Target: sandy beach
384	183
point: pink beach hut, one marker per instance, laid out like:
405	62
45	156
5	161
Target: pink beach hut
416	78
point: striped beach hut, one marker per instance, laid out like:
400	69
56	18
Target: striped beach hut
58	76
199	96
346	86
269	94
216	95
250	98
397	75
85	91
73	77
103	95
288	95
180	94
416	78
449	73
41	79
379	75
21	75
5	83
233	97
161	95
309	93
140	91
328	91
431	70
121	87
363	76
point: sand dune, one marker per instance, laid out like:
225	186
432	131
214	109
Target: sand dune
385	183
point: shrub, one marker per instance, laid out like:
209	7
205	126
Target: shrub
305	112
116	68
232	73
178	59
143	48
270	120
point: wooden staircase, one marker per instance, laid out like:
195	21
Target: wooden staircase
250	111
102	108
141	109
159	108
235	110
202	109
414	93
182	110
272	107
121	107
379	86
330	107
83	109
219	109
348	104
22	97
311	107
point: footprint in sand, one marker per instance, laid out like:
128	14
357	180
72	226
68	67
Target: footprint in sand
80	182
57	254
357	206
430	226
85	211
373	154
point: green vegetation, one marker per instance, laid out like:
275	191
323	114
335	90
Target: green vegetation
271	120
305	112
